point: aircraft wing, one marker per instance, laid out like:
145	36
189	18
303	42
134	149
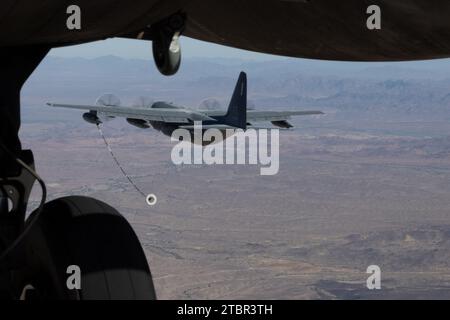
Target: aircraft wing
209	126
258	116
224	127
155	114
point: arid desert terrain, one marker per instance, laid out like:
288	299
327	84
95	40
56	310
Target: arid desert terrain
354	189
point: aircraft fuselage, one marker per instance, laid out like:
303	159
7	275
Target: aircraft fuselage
319	29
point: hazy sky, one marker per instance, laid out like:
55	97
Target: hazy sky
142	50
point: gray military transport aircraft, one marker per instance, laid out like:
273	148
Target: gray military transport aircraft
35	253
167	117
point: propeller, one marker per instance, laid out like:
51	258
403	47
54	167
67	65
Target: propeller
109	100
210	104
143	102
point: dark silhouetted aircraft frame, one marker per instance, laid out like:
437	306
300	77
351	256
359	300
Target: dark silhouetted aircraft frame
35	253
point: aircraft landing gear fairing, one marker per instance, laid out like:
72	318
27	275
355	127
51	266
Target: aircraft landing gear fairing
36	254
166	43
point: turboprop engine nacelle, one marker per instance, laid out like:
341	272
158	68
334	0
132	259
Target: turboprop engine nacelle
107	100
91	117
141	124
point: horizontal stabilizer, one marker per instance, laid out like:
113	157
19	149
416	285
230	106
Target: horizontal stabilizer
282	124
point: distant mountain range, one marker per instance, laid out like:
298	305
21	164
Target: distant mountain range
413	90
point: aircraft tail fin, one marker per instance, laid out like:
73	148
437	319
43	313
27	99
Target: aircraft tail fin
237	110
